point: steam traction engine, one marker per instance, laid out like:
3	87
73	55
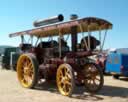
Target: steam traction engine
55	60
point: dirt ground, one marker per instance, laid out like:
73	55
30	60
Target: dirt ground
11	91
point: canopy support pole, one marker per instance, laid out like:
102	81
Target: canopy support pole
37	40
104	38
22	39
100	38
83	36
89	42
32	40
60	45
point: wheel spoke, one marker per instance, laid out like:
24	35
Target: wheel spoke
28	79
97	79
61	73
68	83
24	64
68	76
30	65
64	88
68	87
60	82
23	80
89	81
94	82
27	61
65	71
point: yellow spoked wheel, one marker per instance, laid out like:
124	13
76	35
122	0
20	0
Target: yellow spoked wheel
27	68
65	79
93	77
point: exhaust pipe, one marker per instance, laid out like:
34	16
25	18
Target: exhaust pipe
50	20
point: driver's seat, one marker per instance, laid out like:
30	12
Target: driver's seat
93	43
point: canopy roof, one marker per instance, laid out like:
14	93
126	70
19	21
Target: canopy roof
87	24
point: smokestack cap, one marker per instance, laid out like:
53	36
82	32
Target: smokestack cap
73	16
60	17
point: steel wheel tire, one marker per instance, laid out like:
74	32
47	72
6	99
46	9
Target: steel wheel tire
65	79
93	77
116	76
27	70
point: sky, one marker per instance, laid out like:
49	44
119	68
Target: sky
18	15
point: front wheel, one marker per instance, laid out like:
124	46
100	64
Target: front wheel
93	77
65	79
27	70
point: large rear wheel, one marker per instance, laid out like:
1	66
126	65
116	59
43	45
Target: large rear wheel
65	79
93	77
27	70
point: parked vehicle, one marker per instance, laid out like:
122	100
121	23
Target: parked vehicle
13	59
117	64
55	60
6	58
1	61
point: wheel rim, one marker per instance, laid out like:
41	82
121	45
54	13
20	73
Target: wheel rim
25	70
65	80
93	78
